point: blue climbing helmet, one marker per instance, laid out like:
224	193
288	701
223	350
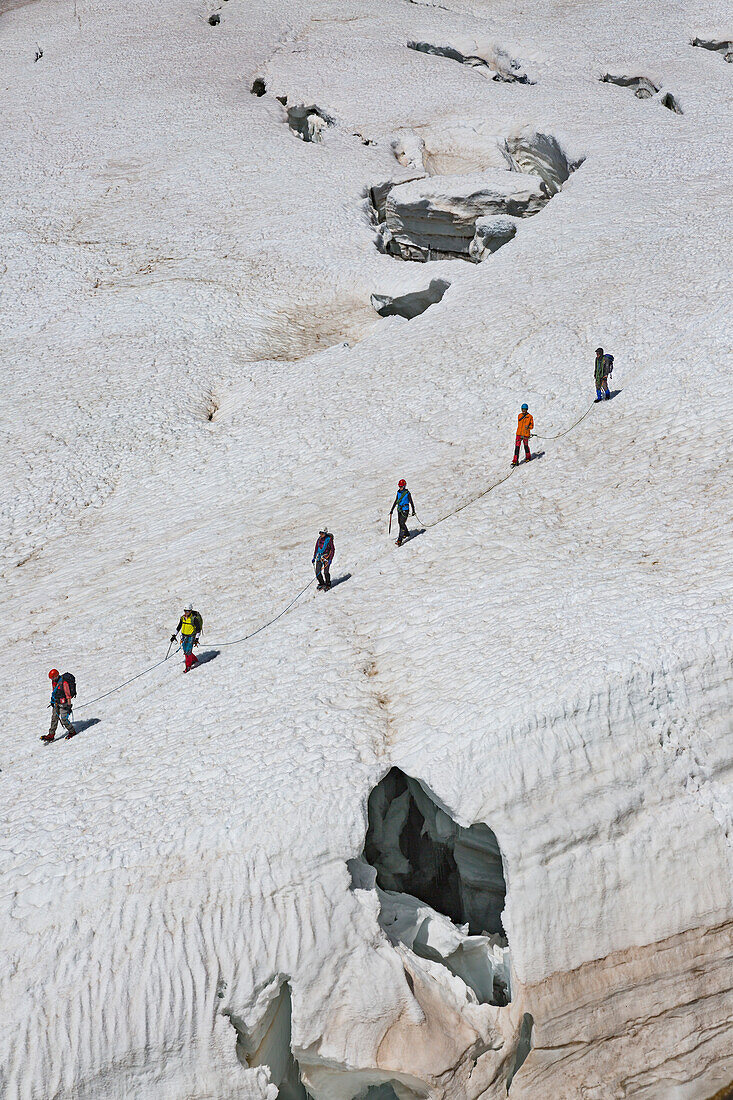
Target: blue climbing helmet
525	407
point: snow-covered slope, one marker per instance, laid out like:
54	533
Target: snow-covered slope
195	380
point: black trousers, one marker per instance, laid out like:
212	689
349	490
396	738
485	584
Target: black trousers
325	577
402	520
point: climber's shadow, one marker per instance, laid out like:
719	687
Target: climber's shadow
340	580
85	724
208	655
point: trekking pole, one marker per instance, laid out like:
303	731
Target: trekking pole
389	529
169	650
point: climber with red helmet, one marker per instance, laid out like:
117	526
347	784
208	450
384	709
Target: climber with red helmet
403	502
62	693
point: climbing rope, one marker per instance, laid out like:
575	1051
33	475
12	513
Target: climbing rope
466	503
565	432
501	480
270	622
236	641
132	678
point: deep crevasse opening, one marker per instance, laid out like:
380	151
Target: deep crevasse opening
441	893
267	1041
438	214
441	885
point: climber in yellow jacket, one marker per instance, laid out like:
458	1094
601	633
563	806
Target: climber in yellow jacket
190	625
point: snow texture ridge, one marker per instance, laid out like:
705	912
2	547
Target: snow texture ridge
205	359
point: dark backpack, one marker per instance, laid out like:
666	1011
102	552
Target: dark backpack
197	621
59	688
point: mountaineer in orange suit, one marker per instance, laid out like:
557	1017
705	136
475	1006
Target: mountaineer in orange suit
525	424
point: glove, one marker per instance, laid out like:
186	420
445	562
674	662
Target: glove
313	561
173	637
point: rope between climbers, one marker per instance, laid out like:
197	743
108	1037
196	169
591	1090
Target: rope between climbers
120	686
270	622
236	641
566	430
465	503
501	480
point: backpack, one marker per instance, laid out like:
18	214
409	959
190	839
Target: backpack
197	621
607	365
67	678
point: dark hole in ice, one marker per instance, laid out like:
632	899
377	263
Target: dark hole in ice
722	46
417	849
672	104
642	87
419	860
502	67
268	1044
308	122
258	86
523	1047
214	20
377	200
412	304
450	52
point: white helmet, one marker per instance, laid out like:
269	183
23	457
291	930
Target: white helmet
324	531
188	606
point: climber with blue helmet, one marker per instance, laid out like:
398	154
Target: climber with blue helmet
525	424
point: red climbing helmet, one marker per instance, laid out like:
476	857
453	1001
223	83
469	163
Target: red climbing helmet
401	483
53	674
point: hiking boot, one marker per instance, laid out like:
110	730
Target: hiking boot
515	462
71	733
48	738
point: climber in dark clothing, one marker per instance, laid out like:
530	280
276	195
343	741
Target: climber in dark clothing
322	558
403	502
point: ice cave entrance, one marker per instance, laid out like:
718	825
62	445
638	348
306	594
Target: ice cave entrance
427	868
